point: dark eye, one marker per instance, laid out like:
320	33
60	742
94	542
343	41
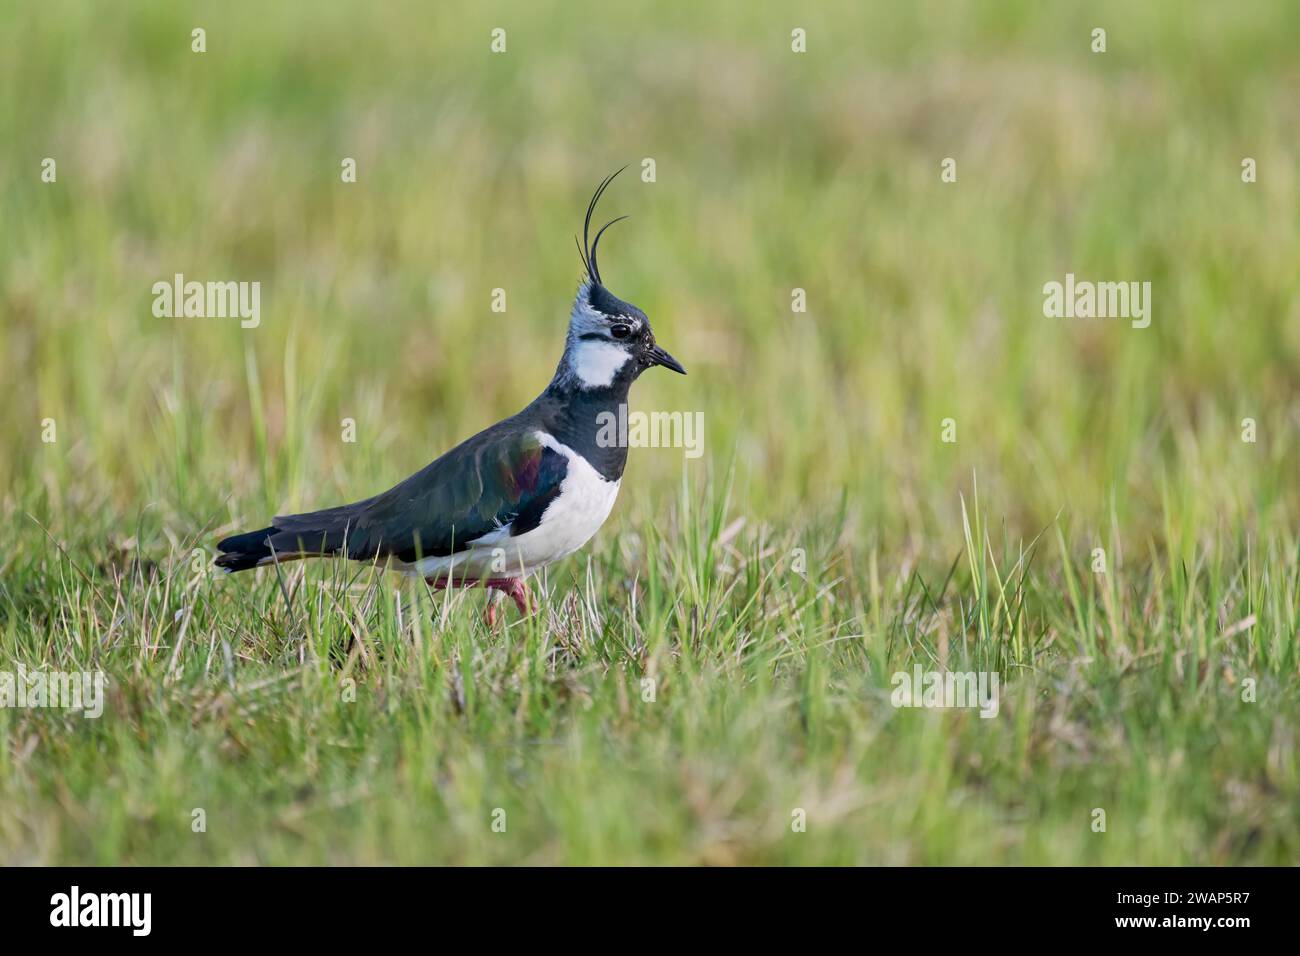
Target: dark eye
621	331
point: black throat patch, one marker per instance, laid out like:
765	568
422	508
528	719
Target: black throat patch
586	419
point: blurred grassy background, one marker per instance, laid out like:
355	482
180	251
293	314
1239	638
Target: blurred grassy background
774	171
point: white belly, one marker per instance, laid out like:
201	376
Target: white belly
577	512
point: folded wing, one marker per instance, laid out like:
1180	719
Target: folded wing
501	477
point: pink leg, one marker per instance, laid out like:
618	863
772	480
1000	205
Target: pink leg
515	587
490	612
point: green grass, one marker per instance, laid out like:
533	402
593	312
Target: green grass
334	714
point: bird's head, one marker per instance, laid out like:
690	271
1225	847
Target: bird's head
608	338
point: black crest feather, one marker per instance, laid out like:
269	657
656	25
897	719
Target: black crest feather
587	250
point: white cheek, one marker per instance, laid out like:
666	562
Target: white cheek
596	363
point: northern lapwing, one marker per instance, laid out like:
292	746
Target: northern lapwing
515	497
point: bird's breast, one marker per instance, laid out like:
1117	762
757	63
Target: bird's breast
572	518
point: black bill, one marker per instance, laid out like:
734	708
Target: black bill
659	357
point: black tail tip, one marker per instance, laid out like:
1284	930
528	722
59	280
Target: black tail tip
243	551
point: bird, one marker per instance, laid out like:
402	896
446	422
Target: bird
517	496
